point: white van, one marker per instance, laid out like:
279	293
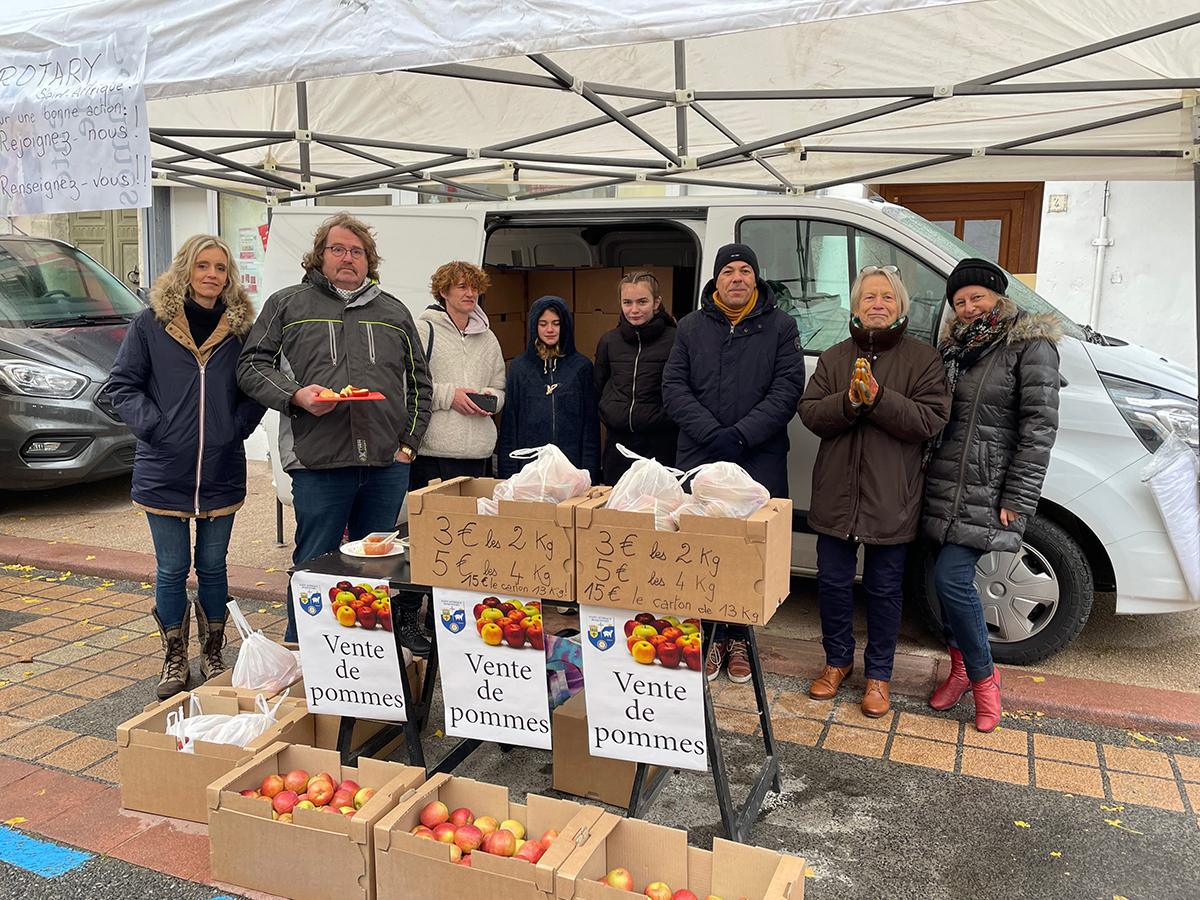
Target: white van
1097	528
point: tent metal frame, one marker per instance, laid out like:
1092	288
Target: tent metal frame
435	174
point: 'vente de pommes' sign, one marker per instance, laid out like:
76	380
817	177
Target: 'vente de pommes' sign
731	570
525	551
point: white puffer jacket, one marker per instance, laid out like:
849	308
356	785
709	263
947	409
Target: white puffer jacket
471	360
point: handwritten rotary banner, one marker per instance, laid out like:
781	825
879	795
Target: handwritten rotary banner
347	648
491	653
73	129
645	693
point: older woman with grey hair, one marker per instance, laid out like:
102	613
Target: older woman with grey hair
986	470
875	398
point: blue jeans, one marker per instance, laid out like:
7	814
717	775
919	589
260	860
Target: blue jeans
172	552
883	578
962	610
328	502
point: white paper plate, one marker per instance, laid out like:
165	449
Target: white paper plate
355	548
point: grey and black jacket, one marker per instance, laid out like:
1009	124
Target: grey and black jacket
996	447
306	334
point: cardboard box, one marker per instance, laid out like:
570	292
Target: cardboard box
658	853
506	294
598	290
407	866
589	326
553	282
223	685
579	773
525	551
730	570
157	778
512	333
666	282
317	855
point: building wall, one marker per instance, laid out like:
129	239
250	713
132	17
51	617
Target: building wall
189	215
1148	283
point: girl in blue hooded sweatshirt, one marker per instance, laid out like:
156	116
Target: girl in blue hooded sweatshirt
550	397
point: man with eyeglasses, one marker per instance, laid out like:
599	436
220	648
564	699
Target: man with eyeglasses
348	461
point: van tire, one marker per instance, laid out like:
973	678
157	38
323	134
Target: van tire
1049	541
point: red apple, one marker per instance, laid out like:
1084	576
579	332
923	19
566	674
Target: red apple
514	635
456	854
629	626
548	838
468	838
434	813
271	786
691	656
684	894
348	785
296	780
422	832
252	794
341	798
506	607
486	824
530	850
466	860
347	811
658	890
320	792
500	843
444	833
462	816
537	639
620	878
491	601
669	654
644	618
284	801
478	610
368	618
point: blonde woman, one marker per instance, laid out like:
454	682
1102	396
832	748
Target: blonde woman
174	383
874	400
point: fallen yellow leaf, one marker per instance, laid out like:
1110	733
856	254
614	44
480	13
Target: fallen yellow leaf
809	872
259	583
1021	824
1120	897
90	556
1037	679
1116	823
147	584
1138	736
262	609
1117	808
1055	853
15	820
271	569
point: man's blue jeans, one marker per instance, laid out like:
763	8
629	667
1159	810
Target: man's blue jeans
172	552
328	502
883	577
962	610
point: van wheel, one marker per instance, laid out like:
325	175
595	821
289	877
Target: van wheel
1035	602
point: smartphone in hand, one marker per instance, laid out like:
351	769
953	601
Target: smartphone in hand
486	402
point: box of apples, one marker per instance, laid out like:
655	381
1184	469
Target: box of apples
293	821
630	858
157	778
458	837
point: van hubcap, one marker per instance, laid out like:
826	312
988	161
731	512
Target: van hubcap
1020	593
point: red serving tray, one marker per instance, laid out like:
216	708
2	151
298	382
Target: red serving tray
374	395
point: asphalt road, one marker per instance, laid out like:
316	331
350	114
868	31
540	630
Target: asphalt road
1154	651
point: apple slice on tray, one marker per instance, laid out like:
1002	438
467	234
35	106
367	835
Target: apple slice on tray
349	392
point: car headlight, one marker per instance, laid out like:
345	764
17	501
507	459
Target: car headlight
1153	413
37	379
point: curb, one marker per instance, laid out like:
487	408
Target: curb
245	582
1024	690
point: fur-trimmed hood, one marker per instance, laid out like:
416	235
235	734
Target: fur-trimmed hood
167	303
1027	326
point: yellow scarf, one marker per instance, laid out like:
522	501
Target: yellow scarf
736	315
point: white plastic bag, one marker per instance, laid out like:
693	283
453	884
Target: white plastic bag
490	506
1171	475
698	507
648	486
262	665
243	728
728	486
549	478
183	743
199	726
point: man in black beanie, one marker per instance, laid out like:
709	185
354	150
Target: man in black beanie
732	384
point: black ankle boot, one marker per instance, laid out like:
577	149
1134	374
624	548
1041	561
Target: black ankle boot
408	627
211	633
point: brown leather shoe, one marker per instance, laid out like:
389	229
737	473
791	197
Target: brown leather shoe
825	686
876	700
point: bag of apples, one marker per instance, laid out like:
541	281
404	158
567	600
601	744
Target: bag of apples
455	835
262	665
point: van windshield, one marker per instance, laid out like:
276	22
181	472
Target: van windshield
1024	297
44	284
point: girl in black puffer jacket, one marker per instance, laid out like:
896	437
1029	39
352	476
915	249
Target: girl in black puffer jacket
629	367
986	470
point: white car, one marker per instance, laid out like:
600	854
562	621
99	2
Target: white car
1097	528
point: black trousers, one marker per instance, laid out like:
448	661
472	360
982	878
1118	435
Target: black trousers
659	444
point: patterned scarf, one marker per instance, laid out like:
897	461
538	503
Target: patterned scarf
968	341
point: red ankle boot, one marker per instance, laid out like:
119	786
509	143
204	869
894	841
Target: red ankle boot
950	691
987	702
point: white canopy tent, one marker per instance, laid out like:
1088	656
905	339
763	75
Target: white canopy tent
772	95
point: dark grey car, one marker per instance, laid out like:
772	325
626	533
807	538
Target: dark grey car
62	318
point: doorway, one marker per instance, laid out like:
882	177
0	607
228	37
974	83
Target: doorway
109	236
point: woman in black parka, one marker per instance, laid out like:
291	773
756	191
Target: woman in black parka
174	383
986	470
629	367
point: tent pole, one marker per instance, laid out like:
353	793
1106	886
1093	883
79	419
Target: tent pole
581	160
564	130
1091	126
212	173
374	178
275	180
302	125
586	186
564	78
480	193
211	187
893	170
500	76
231	148
221	133
717	124
964	90
681	134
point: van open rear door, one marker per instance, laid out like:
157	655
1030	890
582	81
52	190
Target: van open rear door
412	241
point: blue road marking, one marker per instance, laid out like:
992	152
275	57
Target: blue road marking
39	857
